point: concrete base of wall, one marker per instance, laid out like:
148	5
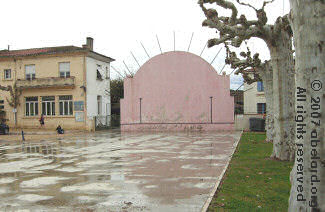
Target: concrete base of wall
242	120
50	125
178	127
49	128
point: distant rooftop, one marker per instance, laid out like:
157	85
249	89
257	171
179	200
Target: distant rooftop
39	51
51	51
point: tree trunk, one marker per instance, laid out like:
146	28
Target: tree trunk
308	174
267	77
283	96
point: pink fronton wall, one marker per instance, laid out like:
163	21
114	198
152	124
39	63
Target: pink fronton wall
175	90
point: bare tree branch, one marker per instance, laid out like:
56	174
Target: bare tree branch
246	4
233	29
225	4
250	67
267	2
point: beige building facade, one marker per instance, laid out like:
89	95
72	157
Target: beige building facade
55	82
254	105
254	99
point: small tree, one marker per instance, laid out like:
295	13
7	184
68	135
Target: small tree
15	93
117	90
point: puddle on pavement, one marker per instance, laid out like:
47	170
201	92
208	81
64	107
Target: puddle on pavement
113	171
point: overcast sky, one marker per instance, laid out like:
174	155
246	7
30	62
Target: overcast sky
119	26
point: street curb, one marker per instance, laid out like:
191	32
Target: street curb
31	133
43	133
208	201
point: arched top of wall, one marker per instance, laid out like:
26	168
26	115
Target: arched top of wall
177	87
173	57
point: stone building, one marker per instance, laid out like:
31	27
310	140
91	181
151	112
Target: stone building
254	105
69	85
254	99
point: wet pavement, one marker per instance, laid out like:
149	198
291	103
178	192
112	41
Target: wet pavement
110	171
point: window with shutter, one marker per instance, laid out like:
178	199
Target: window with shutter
260	87
261	108
64	69
30	72
7	74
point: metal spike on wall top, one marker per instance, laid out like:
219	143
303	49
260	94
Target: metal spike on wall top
159	44
117	71
204	48
232	72
222	68
174	41
135	59
215	56
128	68
189	46
145	50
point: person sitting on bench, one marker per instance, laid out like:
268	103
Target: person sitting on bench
60	130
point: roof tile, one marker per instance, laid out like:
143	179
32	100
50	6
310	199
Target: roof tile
40	51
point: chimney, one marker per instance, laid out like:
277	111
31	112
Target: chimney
90	44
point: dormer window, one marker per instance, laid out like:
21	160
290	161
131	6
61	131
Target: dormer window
64	69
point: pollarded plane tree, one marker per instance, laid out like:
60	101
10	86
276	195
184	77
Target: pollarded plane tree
234	31
253	70
307	19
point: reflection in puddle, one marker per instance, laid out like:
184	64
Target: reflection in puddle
41	181
109	170
32	197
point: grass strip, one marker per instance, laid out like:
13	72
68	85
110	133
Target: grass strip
253	181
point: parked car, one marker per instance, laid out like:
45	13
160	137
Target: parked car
4	129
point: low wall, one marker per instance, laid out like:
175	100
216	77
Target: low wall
242	120
51	123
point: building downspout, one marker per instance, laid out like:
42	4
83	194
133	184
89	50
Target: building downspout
85	91
15	78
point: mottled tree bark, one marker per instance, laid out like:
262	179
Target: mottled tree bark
308	174
266	75
283	96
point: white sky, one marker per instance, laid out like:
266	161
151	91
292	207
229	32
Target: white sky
118	27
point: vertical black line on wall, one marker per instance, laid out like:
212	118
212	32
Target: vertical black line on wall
211	108
140	111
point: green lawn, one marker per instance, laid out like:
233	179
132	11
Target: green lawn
253	181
